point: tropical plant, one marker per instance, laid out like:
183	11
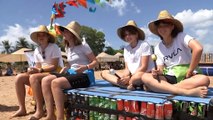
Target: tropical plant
7	47
22	43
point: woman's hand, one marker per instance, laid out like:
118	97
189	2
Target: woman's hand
124	81
32	70
81	68
156	72
189	73
63	70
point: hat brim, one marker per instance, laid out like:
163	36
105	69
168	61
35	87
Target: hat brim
73	32
153	27
34	36
140	32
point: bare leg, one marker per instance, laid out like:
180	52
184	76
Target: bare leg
194	81
58	95
165	87
135	81
48	97
35	82
20	81
111	78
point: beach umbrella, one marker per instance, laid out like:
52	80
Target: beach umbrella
17	56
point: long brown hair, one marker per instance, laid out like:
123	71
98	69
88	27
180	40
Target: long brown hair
76	41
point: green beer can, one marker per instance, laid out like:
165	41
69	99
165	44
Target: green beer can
193	109
201	110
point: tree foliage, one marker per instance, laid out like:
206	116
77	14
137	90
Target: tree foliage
7	47
94	38
22	43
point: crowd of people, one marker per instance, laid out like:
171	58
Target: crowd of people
175	71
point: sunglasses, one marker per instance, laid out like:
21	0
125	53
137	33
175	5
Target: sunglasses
43	55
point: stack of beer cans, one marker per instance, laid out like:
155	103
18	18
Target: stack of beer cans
92	107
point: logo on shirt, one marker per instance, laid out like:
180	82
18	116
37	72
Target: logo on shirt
173	54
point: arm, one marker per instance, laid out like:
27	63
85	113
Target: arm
145	63
197	50
91	65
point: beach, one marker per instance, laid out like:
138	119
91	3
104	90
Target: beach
9	103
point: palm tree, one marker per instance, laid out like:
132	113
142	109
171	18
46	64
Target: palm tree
22	43
7	47
32	46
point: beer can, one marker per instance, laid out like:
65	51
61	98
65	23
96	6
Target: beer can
120	107
134	107
176	105
168	110
150	110
193	109
113	117
120	104
127	108
201	110
159	112
113	104
101	116
143	108
86	99
184	106
107	103
96	101
101	102
96	115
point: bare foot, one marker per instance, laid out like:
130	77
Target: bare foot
51	118
199	92
19	113
130	87
146	88
36	116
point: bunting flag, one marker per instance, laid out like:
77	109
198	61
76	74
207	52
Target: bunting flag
72	3
54	30
82	3
58	8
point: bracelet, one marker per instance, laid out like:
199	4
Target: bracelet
87	66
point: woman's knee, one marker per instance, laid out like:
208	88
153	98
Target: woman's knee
45	82
206	80
202	80
55	84
33	79
21	79
104	73
145	78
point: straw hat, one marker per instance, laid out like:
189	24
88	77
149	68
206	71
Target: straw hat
133	24
75	28
164	15
42	29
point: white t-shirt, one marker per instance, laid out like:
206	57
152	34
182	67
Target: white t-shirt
133	56
51	51
178	53
78	54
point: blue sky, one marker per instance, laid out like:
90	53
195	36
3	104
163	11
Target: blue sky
20	17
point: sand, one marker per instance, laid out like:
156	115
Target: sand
8	100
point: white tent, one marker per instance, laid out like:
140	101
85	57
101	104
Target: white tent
17	56
104	57
119	54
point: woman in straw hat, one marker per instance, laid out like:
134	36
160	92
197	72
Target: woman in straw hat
136	55
47	58
178	55
80	58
